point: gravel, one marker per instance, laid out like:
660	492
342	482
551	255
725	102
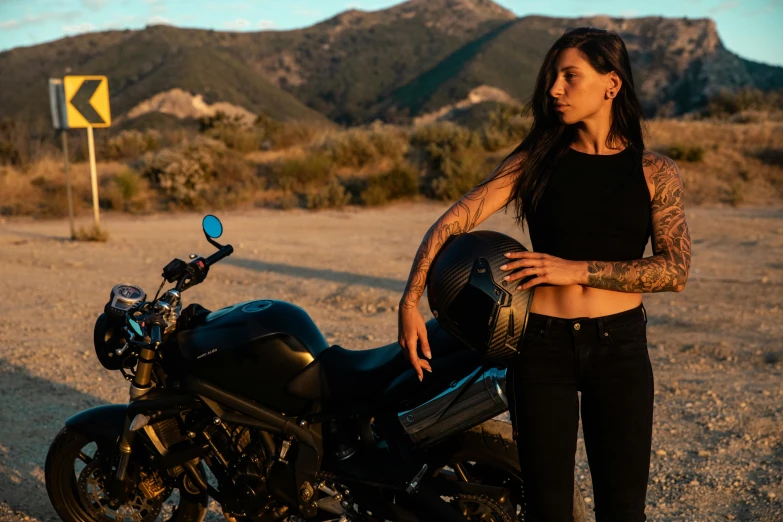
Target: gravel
716	347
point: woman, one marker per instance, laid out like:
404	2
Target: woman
592	196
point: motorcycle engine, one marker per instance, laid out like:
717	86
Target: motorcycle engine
245	491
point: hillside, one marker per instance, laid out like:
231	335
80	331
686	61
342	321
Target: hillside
396	64
677	64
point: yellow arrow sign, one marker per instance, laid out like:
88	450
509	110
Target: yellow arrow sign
87	101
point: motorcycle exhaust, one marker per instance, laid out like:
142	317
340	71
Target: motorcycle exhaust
478	397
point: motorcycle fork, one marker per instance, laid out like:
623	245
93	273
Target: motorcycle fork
141	384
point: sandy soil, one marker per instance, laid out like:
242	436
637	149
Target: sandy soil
716	348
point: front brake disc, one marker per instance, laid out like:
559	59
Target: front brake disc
97	501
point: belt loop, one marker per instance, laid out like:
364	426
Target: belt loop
644	311
547	326
600	324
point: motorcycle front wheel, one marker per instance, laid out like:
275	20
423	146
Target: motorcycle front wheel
76	478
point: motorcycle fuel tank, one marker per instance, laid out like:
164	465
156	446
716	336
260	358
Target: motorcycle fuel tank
254	349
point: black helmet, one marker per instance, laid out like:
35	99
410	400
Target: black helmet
470	300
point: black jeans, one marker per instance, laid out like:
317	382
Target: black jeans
606	359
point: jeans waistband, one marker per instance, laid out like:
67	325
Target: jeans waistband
549	323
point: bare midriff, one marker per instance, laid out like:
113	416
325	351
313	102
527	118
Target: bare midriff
581	301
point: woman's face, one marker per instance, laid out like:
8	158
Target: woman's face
579	91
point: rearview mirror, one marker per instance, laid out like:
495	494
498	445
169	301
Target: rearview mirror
212	226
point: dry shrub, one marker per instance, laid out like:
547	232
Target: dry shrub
727	103
739	166
303	173
93	233
41	189
331	195
454	158
22	143
232	131
127	192
507	125
359	147
682	152
199	172
298	133
768	155
235	181
130	144
400	182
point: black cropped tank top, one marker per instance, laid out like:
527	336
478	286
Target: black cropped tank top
594	207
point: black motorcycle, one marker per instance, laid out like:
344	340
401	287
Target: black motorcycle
249	405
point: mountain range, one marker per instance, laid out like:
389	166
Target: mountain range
394	64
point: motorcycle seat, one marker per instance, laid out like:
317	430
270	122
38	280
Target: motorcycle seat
355	381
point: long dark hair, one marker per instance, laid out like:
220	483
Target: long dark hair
549	139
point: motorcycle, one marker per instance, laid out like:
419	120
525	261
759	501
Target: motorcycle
250	406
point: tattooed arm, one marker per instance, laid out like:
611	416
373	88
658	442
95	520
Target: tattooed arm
464	215
667	270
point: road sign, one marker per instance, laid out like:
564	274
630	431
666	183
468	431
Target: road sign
57	104
87	101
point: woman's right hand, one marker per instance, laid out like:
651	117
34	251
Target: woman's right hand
412	333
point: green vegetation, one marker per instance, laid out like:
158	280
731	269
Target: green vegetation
728	103
402	181
687	153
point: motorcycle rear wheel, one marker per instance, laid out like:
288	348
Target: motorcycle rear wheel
488	455
63	484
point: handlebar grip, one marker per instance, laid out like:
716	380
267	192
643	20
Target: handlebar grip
220	254
155	334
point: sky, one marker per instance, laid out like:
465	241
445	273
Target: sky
749	28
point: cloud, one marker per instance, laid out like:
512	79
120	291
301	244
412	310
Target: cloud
78	28
157	20
94	5
237	25
46	16
266	24
770	7
723	7
9	24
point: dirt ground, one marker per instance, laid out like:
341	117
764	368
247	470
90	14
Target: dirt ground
716	348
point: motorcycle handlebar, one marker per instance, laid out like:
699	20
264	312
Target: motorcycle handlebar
220	254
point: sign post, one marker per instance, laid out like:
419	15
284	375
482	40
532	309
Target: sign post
60	123
87	106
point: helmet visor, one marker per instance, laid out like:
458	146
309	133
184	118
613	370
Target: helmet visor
475	309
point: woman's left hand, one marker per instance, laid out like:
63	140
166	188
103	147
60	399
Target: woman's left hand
546	269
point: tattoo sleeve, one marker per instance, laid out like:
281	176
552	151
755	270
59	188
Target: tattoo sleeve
463	216
667	270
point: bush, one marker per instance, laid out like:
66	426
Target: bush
127	192
460	173
359	147
726	103
130	144
400	182
93	233
736	194
681	152
232	131
299	174
506	126
200	172
333	195
295	133
454	158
